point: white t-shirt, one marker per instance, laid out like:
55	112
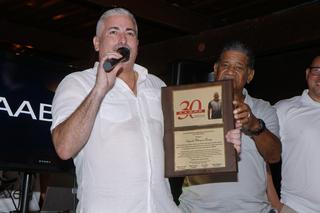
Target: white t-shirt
299	119
121	168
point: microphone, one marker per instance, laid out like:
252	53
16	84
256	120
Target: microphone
109	64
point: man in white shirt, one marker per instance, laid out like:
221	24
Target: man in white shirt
299	119
111	123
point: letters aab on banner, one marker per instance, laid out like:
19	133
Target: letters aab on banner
192	109
26	108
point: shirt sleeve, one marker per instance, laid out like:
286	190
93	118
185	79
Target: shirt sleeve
269	115
68	96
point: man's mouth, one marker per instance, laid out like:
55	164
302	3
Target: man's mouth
227	77
116	48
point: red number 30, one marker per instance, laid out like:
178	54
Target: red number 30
188	108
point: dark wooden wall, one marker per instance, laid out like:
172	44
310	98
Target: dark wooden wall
284	43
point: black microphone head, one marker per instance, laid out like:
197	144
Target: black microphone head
125	52
110	63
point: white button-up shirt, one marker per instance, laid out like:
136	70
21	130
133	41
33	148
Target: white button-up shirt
121	168
299	119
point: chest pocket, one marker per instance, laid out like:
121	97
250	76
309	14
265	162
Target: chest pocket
116	112
153	98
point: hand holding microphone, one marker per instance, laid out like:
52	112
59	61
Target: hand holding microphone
109	64
105	77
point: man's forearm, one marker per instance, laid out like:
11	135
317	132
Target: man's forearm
269	146
71	135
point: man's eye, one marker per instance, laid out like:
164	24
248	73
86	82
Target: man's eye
130	33
239	68
112	32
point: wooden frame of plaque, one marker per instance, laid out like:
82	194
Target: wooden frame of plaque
196	119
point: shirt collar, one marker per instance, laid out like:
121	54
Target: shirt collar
247	98
306	97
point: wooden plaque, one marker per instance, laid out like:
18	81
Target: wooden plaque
196	119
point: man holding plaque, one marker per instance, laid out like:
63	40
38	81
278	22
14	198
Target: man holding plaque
109	120
245	192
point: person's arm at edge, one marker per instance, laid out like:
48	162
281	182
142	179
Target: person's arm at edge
271	191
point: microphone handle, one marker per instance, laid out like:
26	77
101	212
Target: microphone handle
110	63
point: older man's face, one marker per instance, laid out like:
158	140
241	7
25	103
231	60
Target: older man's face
233	65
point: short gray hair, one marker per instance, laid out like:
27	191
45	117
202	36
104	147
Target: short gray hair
113	12
240	47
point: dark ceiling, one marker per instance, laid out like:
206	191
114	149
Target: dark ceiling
56	22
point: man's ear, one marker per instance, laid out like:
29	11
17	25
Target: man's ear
96	43
250	75
215	70
307	73
137	46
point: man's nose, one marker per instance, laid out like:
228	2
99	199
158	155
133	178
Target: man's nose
122	38
231	69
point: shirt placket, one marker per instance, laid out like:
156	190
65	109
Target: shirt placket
142	104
